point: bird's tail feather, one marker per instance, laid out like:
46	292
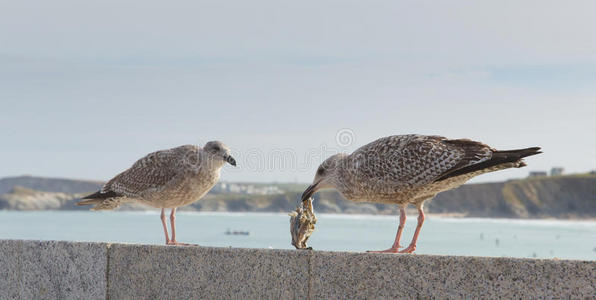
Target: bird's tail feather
90	201
102	204
107	200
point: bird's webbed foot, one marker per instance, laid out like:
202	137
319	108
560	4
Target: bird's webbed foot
410	249
390	250
174	243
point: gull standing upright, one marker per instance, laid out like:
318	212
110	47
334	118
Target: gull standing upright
165	179
410	169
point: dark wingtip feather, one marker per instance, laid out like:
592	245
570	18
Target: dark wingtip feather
100	195
498	157
528	151
93	196
97	197
520	153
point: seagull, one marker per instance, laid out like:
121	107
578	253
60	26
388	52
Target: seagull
410	169
165	179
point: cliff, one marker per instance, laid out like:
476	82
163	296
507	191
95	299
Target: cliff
21	198
559	197
54	185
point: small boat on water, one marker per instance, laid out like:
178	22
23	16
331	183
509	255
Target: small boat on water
236	232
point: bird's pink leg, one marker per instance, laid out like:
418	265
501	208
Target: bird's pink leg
173	226
412	247
400	228
165	227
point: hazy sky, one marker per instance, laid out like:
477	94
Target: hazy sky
86	88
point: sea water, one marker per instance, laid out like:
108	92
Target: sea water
439	235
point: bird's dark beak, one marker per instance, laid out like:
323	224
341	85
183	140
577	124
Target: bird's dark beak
309	191
230	159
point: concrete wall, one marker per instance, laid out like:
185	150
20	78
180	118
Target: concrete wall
66	270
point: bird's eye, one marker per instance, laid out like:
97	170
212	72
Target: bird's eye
321	171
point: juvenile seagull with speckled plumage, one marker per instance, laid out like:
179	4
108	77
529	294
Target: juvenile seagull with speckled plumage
165	179
410	169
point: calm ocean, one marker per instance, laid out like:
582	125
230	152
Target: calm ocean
459	236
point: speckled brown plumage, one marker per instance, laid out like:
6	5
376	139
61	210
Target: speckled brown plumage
162	179
165	179
410	169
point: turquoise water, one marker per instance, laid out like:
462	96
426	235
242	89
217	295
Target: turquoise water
475	237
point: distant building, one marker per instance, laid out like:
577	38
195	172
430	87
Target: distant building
538	174
593	172
556	171
246	189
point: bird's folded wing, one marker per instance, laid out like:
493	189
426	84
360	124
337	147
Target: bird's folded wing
473	153
415	160
150	173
